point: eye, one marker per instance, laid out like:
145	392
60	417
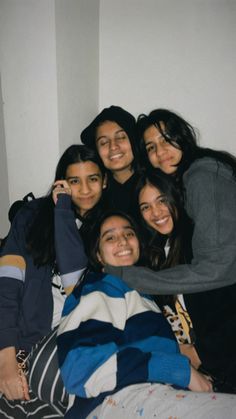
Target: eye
102	142
162	200
144	208
163	140
150	148
73	181
110	238
130	234
121	137
94	179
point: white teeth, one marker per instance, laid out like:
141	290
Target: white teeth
116	156
124	253
161	221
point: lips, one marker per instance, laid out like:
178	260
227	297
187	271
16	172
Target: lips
116	156
161	221
167	160
124	253
86	200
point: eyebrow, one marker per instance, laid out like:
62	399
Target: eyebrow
77	177
160	135
105	136
149	142
111	230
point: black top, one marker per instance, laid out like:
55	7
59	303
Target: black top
120	196
214	319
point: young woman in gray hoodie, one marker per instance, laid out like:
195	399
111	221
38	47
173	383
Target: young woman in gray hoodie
207	179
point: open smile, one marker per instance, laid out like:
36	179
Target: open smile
124	253
161	221
116	156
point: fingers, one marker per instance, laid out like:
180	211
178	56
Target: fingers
25	387
13	388
60	186
199	382
62	183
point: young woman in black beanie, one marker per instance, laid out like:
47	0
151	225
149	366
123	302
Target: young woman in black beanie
113	135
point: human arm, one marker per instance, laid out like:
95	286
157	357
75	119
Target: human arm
189	350
70	255
12	276
211	203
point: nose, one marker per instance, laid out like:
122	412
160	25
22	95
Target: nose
122	240
161	148
113	144
84	188
156	210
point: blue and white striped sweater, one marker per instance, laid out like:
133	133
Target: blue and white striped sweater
110	336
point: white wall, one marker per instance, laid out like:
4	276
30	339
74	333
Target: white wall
175	54
4	193
29	90
62	60
49	71
77	46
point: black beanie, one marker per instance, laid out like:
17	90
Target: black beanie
116	114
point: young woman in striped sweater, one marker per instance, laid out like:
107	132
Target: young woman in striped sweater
111	337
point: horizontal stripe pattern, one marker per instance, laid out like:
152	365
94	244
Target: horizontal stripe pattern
34	408
108	335
71	279
12	266
13	260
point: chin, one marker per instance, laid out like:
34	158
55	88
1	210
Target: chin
125	263
165	232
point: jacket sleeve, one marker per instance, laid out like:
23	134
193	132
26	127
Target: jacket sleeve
94	357
12	278
211	203
70	255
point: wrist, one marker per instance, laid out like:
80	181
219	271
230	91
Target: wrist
7	354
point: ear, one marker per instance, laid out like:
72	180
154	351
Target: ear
104	182
99	258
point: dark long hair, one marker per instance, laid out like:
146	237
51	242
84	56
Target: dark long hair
124	119
40	236
180	134
179	239
92	239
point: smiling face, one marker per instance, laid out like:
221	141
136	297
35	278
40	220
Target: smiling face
114	148
118	245
161	153
154	209
86	182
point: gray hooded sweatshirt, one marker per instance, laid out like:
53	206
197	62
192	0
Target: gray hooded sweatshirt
211	203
